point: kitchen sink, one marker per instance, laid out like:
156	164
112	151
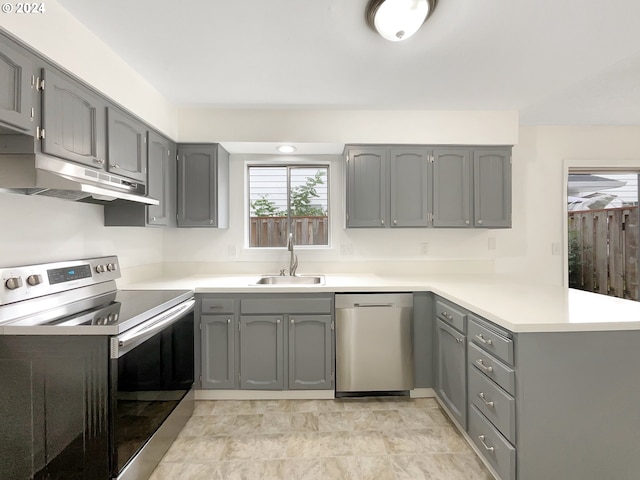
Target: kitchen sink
288	280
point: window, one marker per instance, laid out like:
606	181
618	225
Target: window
288	198
603	231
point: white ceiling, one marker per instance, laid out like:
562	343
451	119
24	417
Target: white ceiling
557	62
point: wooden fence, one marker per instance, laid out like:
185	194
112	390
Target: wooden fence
603	251
273	231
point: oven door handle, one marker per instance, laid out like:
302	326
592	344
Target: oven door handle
127	341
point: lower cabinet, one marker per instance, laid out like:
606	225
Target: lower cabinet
245	344
451	370
261	353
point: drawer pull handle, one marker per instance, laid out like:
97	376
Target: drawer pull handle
487	341
483	398
216	307
491	449
481	364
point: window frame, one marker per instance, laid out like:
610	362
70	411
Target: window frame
287	163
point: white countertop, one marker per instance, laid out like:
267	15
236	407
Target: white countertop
516	306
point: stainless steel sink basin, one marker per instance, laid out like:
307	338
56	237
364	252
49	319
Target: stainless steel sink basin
287	280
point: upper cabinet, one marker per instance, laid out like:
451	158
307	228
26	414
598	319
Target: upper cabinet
452	187
127	145
492	187
388	186
422	186
367	187
161	185
203	186
73	121
15	90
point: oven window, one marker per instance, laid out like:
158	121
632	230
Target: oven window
152	379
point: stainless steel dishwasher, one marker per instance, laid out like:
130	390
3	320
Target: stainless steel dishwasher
374	346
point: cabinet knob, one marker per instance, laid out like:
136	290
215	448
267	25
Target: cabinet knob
278	320
153	219
293	321
115	165
459	340
479	222
466	222
100	161
228	320
395	222
210	222
381	221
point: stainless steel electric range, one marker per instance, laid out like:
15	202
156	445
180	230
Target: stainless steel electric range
95	382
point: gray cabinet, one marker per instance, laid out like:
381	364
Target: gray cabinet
261	352
73	120
367	187
451	381
388	187
492	187
203	185
410	191
266	341
452	187
161	185
127	145
15	90
218	346
310	346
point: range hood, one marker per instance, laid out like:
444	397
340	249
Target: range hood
36	174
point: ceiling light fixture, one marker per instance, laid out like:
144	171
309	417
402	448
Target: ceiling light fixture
398	20
286	149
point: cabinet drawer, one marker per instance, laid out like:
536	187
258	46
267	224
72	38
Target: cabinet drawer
492	445
279	305
497	405
454	316
491	339
218	305
497	371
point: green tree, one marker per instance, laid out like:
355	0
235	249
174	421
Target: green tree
263	207
302	196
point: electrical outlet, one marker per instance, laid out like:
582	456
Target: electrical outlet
346	249
424	248
491	244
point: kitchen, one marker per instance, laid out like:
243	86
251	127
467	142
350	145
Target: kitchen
42	229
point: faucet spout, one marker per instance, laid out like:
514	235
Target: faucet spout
293	262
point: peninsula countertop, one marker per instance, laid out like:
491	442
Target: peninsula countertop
506	301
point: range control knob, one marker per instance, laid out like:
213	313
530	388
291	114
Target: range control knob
101	320
34	280
112	267
112	318
13	283
101	268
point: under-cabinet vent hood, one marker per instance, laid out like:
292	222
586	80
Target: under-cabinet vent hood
35	174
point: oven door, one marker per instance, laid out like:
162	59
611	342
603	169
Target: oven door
152	370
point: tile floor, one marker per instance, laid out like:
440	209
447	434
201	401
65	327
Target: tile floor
351	439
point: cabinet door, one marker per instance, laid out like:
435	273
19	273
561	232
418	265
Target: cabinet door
310	352
367	187
218	342
15	89
127	146
451	187
410	191
492	187
159	185
74	121
197	180
261	353
451	383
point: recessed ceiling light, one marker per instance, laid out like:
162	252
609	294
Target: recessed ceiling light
286	149
397	20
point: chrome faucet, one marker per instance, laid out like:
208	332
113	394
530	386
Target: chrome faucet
293	263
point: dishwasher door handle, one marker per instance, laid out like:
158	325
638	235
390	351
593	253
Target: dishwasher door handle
364	305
